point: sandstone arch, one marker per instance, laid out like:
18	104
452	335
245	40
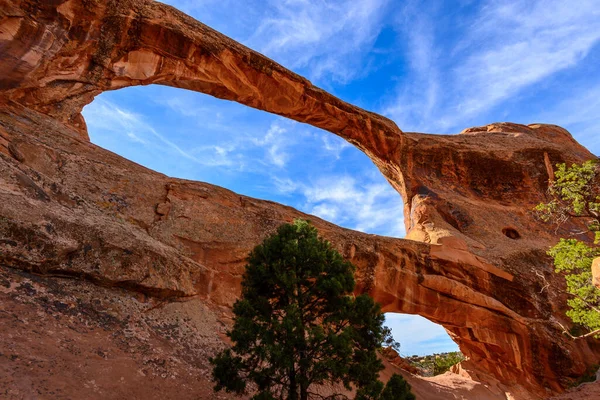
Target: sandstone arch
461	192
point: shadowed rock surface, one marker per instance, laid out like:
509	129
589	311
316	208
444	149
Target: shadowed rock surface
76	217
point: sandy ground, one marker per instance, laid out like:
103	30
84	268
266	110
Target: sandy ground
586	391
64	339
446	386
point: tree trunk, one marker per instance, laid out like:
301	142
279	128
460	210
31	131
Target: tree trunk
303	392
293	392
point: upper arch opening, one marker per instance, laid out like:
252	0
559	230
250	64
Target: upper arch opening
188	135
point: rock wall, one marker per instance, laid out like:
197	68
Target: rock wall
474	259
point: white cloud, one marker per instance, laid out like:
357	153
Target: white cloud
209	114
326	211
417	98
106	118
275	141
504	49
336	189
522	43
135	138
219	156
341	199
237	143
284	186
104	115
335	145
327	38
186	105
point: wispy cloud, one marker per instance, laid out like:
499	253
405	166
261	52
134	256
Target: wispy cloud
521	43
327	38
205	112
335	145
104	115
503	49
342	199
322	39
239	146
275	142
219	156
234	129
418	94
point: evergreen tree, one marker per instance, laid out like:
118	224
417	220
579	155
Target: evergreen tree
395	389
297	324
575	193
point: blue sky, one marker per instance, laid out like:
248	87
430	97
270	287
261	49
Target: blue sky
431	66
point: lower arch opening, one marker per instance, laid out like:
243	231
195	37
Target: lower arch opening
419	336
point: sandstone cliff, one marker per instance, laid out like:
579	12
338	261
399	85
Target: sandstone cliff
92	240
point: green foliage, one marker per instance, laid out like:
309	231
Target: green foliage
443	362
575	259
397	389
388	341
576	194
435	364
297	324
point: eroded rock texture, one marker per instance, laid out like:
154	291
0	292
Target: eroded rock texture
475	260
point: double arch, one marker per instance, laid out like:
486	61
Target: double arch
459	270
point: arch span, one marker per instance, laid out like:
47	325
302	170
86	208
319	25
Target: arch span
461	192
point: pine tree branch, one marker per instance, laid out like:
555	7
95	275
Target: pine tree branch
547	285
596	332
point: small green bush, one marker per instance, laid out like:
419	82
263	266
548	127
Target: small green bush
444	362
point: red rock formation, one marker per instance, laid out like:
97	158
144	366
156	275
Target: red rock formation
475	261
394	358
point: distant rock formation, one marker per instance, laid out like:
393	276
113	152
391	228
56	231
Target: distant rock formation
393	357
474	260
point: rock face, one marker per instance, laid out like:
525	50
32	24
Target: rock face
475	256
